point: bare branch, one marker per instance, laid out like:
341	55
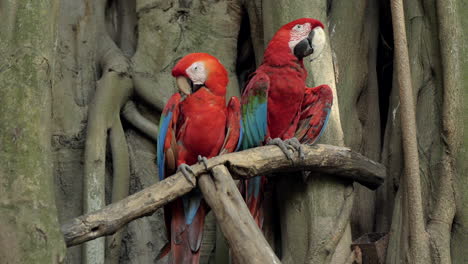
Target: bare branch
441	218
246	241
339	161
145	89
120	182
132	115
114	216
419	242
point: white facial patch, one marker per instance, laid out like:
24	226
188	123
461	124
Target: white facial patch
298	33
197	72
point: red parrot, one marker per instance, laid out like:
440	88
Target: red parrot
277	105
195	124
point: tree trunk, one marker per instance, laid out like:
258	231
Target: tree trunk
433	33
459	230
28	216
142	41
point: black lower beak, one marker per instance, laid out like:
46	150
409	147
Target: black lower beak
304	48
196	87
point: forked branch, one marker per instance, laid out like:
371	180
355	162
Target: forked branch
326	159
246	241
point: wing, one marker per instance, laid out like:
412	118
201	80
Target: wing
254	110
234	129
167	143
315	111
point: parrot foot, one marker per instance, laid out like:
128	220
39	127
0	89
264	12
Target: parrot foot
203	160
286	148
187	172
294	142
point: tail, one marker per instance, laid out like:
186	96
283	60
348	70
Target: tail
185	232
253	195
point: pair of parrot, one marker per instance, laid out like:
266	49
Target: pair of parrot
276	108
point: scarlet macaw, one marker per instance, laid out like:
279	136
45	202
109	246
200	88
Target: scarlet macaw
195	124
277	105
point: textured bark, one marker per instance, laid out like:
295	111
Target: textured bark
443	211
435	79
340	162
111	218
247	243
28	217
418	240
353	27
121	167
168	30
459	232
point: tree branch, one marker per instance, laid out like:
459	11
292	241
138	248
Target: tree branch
326	159
132	115
144	89
419	242
245	238
113	90
120	182
441	218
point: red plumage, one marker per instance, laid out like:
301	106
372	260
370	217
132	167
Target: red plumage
292	109
198	124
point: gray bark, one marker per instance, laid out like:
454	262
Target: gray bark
459	232
28	216
435	80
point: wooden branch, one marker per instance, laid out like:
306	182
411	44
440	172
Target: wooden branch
325	159
114	216
418	238
132	115
246	241
339	161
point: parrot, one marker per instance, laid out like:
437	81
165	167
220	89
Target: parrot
277	107
195	125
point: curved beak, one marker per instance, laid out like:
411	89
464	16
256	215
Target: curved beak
186	86
183	85
312	45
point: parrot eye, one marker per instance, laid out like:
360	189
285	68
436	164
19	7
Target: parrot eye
298	27
197	73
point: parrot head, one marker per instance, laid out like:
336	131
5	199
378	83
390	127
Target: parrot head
302	37
197	70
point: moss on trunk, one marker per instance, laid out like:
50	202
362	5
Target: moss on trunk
28	216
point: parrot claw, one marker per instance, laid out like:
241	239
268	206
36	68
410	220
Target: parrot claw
187	172
294	142
286	148
203	160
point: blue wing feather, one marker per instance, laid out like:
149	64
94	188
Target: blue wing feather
165	123
254	111
191	204
163	127
241	136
